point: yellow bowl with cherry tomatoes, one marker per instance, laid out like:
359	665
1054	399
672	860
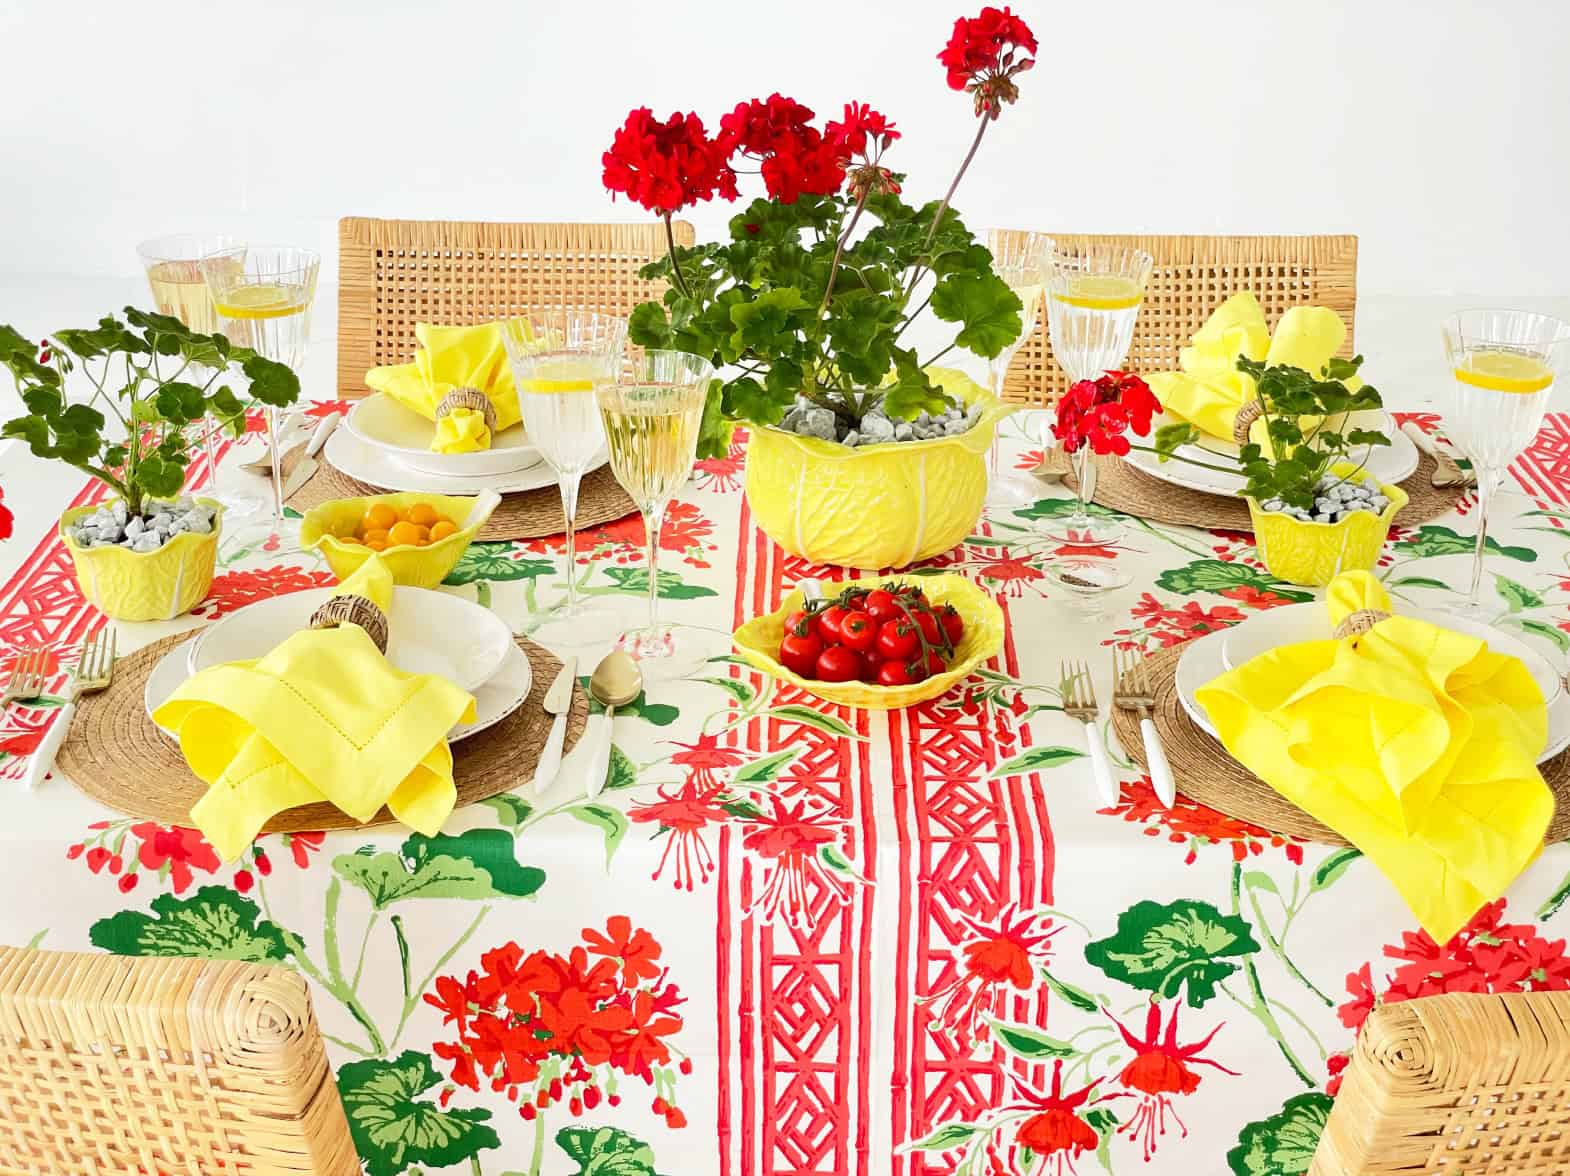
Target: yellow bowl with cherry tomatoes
758	642
424	537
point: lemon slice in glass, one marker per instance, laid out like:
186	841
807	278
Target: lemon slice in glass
1101	292
261	302
1505	371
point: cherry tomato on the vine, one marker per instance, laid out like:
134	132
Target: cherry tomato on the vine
897	639
829	623
799	653
858	631
881	606
953	623
896	673
931	628
838	664
802	623
935	663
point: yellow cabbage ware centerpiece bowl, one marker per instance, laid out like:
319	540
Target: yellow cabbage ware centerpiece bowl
148	585
875	506
329	527
1312	554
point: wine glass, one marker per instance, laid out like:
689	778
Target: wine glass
174	274
1093	298
1016	258
1503	364
263	295
557	357
652	416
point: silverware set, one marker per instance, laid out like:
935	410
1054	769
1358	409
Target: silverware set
1447	471
1132	690
29	676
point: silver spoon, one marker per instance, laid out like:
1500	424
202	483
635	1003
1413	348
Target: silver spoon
616	681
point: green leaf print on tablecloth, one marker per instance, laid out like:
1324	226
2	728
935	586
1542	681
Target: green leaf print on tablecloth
214	923
1221	576
393	1128
1432	539
606	1151
672	587
496	561
1162	948
1284	1143
475	865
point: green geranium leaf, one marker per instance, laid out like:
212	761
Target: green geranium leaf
272	383
1056	508
766	769
763	321
606	1151
670	584
943	1137
478	864
159	476
1432	539
511	809
394	1128
1035	759
861	329
796	712
987	308
1028	1042
497	561
215	923
1217	575
1284	1143
714	431
649	326
180	403
1166	948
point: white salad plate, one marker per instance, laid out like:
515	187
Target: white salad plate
385	426
349	455
501	694
1204	659
1387	463
428	632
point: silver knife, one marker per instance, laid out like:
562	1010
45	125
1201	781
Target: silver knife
306	467
1446	472
558	701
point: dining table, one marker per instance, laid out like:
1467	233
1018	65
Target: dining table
792	937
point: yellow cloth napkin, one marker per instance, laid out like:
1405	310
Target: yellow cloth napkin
324	716
448	358
1209	389
1415	743
372	580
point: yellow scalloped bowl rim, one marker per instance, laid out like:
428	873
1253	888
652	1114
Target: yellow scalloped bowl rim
758	642
414	567
145	585
1312	554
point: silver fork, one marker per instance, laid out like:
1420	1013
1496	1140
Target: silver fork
1079	702
1132	690
94	668
27	676
1447	472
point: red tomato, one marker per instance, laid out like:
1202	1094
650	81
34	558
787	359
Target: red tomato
858	631
912	595
897	639
802	623
953	623
869	666
799	653
935	663
896	673
931	628
881	606
838	664
829	623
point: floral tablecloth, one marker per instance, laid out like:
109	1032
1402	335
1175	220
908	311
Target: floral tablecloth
791	938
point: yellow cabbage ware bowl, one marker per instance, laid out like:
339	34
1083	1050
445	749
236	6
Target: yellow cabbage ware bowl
758	641
877	506
325	527
150	585
1313	554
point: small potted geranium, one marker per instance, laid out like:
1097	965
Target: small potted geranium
148	552
861	452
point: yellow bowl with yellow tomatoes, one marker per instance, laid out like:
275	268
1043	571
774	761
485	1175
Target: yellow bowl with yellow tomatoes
419	537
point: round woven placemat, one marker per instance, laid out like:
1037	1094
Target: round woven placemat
1206	773
118	757
1126	488
532	514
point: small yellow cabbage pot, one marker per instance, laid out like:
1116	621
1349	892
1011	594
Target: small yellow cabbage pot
327	526
877	506
1313	554
145	586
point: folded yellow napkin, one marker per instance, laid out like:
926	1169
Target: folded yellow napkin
372	580
1209	389
1415	743
323	716
448	358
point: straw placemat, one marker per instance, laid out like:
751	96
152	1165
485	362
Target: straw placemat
1206	773
1126	488
118	757
533	514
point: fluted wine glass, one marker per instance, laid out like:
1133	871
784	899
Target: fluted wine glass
1016	258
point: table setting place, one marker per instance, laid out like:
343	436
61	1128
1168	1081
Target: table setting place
852	720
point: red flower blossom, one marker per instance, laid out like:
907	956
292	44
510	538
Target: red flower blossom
861	122
1013	572
326	408
301	845
683	816
1189	821
1173	626
1251	597
176	850
794	156
7	519
636	950
1099	412
22	740
789	837
234	590
48	665
985	53
1160	1069
1055	1130
685	532
722	474
666	166
1003	955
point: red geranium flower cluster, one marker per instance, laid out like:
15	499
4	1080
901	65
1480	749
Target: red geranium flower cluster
984	55
667	165
548	1028
794	156
1101	411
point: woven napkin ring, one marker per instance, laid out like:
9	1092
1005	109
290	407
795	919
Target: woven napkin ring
1360	622
1246	416
468	398
353	610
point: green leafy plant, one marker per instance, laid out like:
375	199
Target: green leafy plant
134	432
1304	419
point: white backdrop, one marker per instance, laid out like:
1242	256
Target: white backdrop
1438	130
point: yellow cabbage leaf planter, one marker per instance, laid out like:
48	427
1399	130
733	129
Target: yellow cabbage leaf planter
758	641
875	506
1313	554
147	585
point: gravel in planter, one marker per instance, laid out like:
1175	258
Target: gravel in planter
1334	500
159	522
807	419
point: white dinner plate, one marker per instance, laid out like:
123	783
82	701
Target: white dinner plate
1310	621
501	694
1202	662
348	454
1388	463
428	632
387	427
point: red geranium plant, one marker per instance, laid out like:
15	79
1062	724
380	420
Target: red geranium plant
1100	412
795	302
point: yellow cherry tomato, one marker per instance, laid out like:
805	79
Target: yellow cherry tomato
423	514
440	530
380	535
404	535
380	517
376	544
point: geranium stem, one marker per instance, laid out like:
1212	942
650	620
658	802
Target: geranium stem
839	251
676	274
937	219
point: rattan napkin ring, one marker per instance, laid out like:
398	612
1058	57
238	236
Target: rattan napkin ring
1357	623
353	610
1244	421
468	398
